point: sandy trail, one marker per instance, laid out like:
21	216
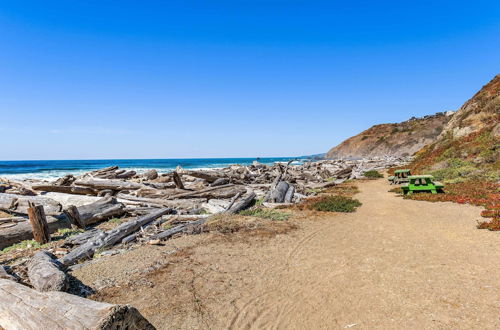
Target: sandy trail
394	264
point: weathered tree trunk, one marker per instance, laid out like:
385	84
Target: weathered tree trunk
22	230
65	189
12	219
66	180
44	273
203	192
22	308
83	237
208	176
172	231
345	173
74	216
102	209
161	202
277	195
150	175
164	219
111	237
219	182
110	184
289	194
38	223
6	276
177	180
243	202
19	204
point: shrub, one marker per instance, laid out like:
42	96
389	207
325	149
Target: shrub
336	204
266	214
457	170
373	174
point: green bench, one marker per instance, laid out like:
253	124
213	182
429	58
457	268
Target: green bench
400	176
421	183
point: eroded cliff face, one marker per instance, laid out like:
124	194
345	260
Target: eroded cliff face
480	112
472	134
399	139
469	146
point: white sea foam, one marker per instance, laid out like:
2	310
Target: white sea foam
54	174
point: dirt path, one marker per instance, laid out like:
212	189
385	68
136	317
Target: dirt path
394	264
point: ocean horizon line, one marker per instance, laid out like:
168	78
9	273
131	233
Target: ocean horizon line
49	169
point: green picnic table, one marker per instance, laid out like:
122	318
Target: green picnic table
400	176
421	183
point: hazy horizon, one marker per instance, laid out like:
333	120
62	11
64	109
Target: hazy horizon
161	80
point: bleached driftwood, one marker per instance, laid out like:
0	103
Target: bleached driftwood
110	238
5	275
113	184
38	222
243	202
207	193
20	204
180	228
27	309
44	273
65	189
104	208
22	230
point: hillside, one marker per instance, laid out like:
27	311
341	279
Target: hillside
466	156
397	139
469	145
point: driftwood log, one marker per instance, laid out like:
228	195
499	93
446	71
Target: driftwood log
210	177
243	202
65	189
160	202
178	229
277	195
205	193
45	274
20	204
110	238
177	180
22	230
150	175
27	309
38	223
5	275
74	216
83	237
102	209
111	184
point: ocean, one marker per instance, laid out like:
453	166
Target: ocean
50	169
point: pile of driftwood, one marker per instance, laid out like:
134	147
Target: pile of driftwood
184	199
182	194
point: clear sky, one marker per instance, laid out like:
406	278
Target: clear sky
170	79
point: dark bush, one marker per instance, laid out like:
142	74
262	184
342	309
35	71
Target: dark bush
373	174
336	204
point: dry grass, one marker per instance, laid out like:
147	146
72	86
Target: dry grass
248	225
347	189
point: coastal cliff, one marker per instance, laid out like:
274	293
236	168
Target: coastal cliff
396	139
470	142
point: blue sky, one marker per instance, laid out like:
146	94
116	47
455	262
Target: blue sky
170	79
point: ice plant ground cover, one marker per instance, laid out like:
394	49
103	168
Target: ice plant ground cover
480	193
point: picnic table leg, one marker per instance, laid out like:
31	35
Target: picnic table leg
433	191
